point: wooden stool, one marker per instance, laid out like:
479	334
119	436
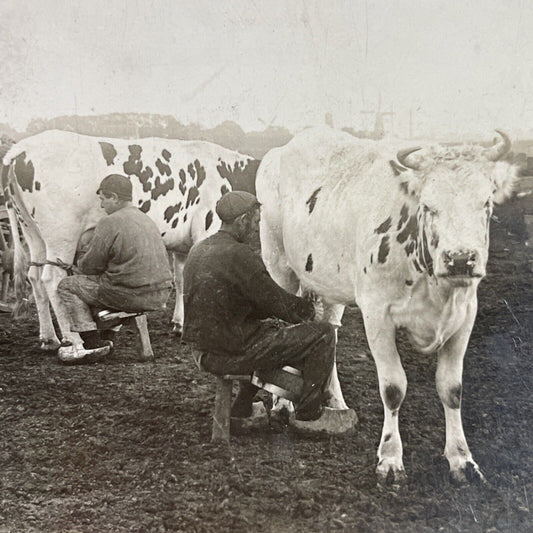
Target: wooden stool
222	413
106	320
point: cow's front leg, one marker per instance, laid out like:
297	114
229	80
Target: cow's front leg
449	386
380	333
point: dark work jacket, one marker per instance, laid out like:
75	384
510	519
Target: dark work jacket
128	254
227	293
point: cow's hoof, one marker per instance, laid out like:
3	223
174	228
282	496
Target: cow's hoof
469	474
177	329
49	345
390	476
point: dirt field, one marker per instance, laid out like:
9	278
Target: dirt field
124	446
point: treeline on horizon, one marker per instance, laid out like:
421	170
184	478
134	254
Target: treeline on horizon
228	133
139	125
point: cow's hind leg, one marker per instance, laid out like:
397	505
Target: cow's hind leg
449	386
177	317
51	277
392	387
47	333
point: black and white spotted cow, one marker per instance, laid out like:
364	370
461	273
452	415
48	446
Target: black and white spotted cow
404	235
52	179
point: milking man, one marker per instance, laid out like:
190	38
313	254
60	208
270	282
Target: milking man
125	268
230	303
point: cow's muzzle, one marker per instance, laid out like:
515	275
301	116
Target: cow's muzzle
461	264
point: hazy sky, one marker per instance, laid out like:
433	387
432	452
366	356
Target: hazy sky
462	66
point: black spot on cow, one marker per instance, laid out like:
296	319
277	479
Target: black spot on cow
109	152
417	266
146	206
384	249
208	219
409	248
408	282
134	166
191	170
160	189
404	215
166	155
393	397
404	186
371	258
191	197
338	268
139	202
410	230
33	213
200	173
163	168
387	437
309	264
223	190
183	179
144	177
171	211
384	226
37	185
312	200
364	270
241	176
24	172
163	234
453	398
175	222
185	218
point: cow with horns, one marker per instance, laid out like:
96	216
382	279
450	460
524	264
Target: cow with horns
405	236
52	178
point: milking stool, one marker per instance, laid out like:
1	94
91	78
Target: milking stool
107	319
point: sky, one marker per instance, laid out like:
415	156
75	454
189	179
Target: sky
461	67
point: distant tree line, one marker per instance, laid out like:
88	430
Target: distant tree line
138	125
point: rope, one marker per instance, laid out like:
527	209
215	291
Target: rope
57	263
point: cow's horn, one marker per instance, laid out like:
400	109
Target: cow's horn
500	149
402	156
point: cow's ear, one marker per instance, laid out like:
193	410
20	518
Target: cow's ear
503	179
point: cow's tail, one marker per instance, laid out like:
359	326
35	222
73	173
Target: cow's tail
20	259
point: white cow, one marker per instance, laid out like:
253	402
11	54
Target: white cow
52	180
405	237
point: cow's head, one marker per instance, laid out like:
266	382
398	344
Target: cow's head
455	189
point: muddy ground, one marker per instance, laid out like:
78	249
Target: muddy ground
125	447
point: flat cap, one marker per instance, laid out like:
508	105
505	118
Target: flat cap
234	204
120	185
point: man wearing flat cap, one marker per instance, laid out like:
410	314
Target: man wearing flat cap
230	301
125	268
